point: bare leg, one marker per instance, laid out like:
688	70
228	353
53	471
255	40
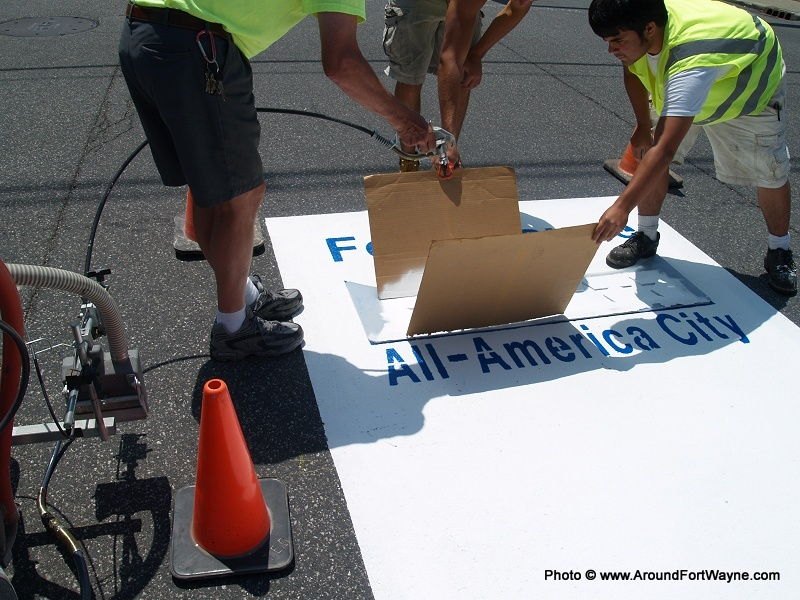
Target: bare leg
462	101
225	235
409	94
775	204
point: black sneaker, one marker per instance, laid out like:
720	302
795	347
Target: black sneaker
781	270
256	337
277	305
636	247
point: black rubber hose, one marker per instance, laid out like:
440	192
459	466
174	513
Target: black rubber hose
87	263
316	115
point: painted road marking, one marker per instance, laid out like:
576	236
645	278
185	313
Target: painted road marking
475	463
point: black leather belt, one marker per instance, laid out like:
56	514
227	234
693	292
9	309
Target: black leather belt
173	18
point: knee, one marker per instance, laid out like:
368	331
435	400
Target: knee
244	205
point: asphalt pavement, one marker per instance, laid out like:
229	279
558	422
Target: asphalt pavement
551	106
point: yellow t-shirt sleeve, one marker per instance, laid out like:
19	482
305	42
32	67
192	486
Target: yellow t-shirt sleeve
257	24
356	8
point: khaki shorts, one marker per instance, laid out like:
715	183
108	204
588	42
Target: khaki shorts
412	38
749	150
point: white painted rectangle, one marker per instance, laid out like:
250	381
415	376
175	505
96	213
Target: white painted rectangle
623	438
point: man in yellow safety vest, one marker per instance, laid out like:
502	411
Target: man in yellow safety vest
709	65
187	67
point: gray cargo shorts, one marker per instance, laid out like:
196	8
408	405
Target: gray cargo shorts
412	38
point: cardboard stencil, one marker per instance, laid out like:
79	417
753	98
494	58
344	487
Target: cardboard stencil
495	280
458	246
407	211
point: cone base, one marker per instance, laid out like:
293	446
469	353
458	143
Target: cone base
189	561
188	250
612	166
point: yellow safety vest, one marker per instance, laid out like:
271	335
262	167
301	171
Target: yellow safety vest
708	33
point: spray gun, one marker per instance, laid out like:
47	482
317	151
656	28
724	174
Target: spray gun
444	141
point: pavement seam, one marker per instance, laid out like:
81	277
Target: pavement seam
94	141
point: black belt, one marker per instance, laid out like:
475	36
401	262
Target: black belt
173	18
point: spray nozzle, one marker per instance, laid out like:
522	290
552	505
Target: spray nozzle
444	141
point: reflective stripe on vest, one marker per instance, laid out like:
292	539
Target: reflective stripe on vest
719	46
744	78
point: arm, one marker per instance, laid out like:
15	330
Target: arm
641	139
346	66
505	21
684	96
650	178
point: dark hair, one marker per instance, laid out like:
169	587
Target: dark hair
608	17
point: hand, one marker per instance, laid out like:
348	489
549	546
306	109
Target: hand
453	163
416	132
641	141
472	72
610	224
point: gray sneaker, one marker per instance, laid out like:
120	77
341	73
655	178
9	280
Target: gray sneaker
278	305
256	337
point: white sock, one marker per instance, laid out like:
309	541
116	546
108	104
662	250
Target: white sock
779	241
648	225
250	292
231	321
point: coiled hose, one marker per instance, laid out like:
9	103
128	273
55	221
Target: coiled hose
67	281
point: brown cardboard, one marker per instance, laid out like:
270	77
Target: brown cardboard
458	246
407	211
503	279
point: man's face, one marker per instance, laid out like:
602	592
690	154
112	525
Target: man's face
627	46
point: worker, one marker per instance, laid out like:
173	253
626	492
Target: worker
187	67
704	64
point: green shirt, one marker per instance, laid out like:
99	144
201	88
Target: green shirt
257	24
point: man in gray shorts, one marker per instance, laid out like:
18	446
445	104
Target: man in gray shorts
188	72
704	64
413	38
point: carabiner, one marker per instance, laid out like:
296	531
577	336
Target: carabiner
213	59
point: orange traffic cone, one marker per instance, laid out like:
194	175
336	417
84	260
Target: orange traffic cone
230	517
228	522
185	242
624	168
628	162
188	218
